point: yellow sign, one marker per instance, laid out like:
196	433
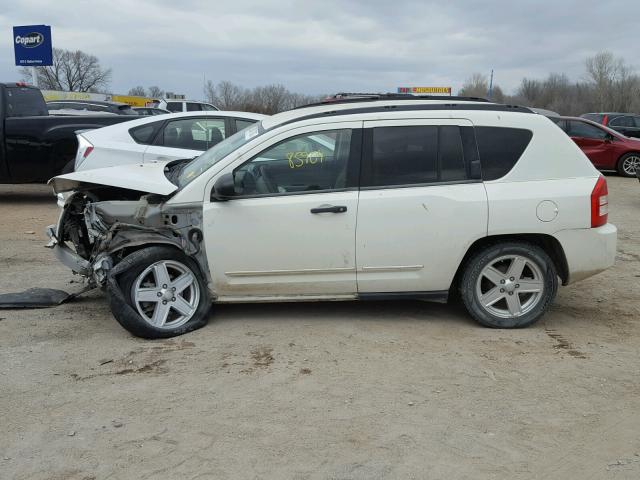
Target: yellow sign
133	100
440	90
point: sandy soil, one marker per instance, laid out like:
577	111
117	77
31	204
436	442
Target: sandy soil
318	391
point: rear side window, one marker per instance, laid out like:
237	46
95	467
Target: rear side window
174	106
193	107
242	124
145	134
416	155
626	121
25	102
500	149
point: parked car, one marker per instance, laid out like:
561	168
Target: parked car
625	123
606	148
66	107
35	146
186	106
389	197
153	139
150	111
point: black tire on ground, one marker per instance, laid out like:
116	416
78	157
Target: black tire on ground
126	311
621	164
472	281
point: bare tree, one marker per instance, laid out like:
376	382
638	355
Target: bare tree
156	92
73	71
268	99
138	91
475	86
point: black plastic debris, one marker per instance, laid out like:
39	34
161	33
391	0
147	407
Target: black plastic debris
36	298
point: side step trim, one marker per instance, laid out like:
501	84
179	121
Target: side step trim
440	296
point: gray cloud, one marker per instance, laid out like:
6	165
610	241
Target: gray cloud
328	46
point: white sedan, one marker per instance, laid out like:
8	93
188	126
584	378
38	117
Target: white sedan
156	139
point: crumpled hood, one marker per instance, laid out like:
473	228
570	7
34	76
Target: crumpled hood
144	177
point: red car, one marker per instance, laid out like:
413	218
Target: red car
606	148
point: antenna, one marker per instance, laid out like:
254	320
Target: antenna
490	93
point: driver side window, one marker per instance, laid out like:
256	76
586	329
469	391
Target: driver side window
304	163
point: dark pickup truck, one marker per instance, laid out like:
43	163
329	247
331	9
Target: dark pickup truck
35	146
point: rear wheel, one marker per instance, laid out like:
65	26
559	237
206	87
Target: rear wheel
166	293
509	285
628	164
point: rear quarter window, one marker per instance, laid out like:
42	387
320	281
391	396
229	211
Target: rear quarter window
145	134
25	102
500	148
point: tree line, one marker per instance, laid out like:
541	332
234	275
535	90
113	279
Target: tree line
609	84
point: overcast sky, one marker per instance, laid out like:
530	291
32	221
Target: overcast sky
328	46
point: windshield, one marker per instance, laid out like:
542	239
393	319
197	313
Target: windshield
204	162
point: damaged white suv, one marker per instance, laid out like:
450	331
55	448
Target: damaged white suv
380	197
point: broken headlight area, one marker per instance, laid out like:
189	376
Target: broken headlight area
98	228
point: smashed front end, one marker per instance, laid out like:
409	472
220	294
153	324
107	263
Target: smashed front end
99	226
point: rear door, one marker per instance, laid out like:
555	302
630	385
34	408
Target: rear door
422	203
186	138
593	141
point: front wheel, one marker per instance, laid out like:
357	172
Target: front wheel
509	285
164	292
628	164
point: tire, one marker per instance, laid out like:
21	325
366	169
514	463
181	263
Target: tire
628	163
178	301
495	300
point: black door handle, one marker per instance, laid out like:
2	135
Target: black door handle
329	209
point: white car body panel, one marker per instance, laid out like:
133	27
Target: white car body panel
413	239
147	177
317	257
113	145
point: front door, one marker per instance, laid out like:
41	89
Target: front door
422	204
290	230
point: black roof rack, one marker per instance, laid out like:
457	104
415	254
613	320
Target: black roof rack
344	97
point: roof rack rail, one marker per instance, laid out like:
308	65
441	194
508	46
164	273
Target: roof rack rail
345	97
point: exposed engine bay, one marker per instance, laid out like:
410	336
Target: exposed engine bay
99	226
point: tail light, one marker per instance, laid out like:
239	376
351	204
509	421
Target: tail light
599	203
84	149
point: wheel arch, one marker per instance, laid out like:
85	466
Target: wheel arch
548	243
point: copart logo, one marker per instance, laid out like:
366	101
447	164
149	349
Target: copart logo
30	40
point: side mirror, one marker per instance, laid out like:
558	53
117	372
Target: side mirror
224	188
609	138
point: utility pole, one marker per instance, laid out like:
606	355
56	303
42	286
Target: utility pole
490	94
34	77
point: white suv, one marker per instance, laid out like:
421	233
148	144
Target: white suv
381	198
176	105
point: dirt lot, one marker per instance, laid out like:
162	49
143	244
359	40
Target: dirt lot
319	391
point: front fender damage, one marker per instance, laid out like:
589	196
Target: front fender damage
95	236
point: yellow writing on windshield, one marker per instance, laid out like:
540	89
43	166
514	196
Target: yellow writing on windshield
299	159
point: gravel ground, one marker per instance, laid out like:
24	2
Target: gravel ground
319	390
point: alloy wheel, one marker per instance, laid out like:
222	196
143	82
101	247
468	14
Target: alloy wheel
630	164
166	294
510	286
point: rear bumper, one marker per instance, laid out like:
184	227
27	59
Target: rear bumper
588	251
